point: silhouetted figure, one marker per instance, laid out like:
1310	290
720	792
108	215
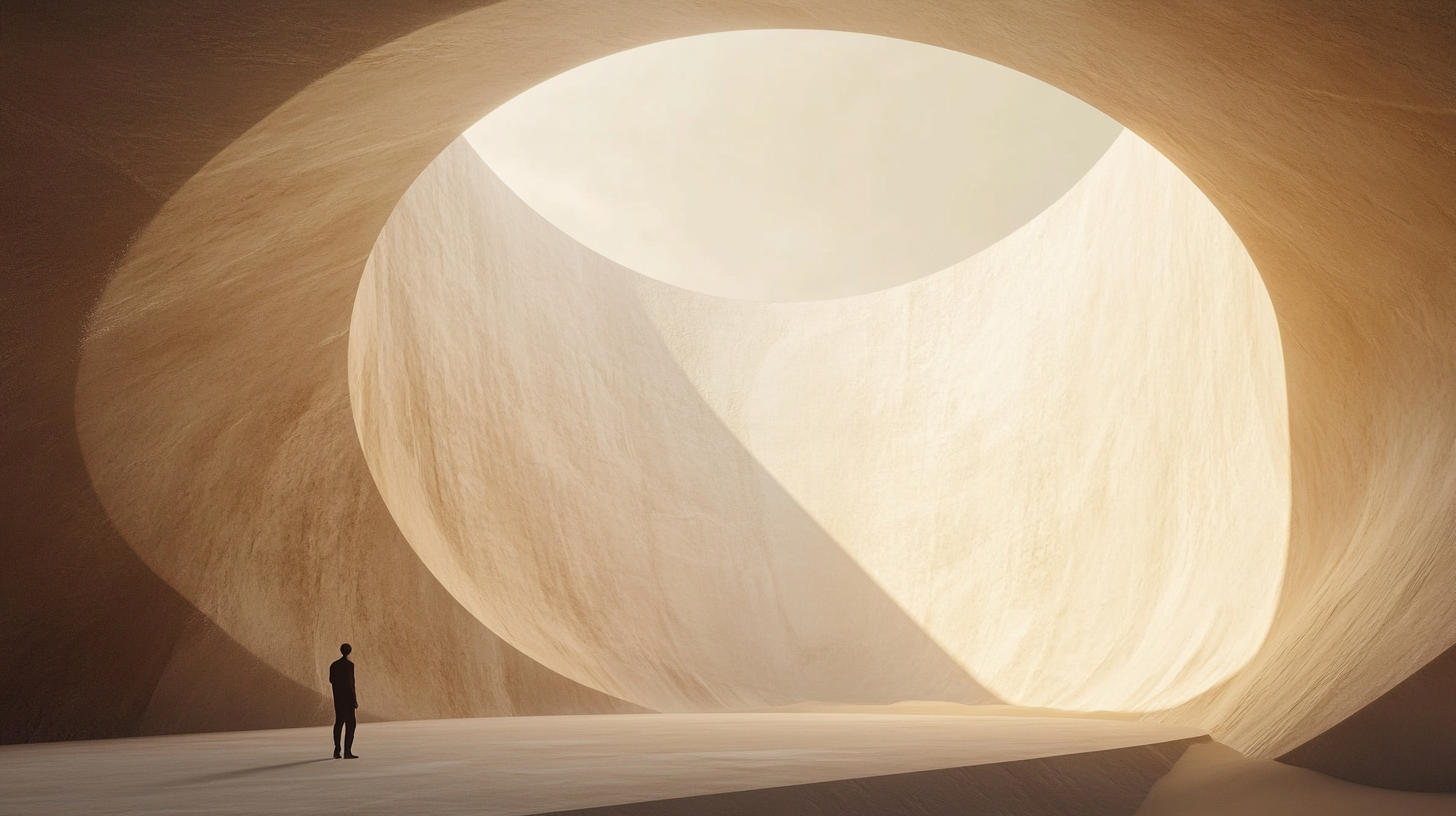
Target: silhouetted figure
341	677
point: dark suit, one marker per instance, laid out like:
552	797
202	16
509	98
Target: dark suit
341	677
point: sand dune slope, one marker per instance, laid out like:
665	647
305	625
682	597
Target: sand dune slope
1215	780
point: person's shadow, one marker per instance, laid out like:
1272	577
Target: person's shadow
238	774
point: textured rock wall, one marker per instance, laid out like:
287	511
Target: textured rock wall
1058	469
1320	130
106	111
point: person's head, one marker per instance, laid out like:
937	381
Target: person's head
345	649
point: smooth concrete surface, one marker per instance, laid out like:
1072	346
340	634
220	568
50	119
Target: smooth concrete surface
1063	461
1215	780
232	165
529	765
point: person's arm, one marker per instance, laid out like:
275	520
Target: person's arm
352	691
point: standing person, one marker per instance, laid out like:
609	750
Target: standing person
341	677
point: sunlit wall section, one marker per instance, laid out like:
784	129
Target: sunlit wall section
1084	422
1059	468
1066	458
559	474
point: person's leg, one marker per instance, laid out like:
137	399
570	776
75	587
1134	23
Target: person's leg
350	723
338	726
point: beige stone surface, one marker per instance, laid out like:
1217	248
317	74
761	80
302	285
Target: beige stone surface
527	765
561	476
1215	780
1064	460
108	110
248	493
945	709
1321	131
1399	741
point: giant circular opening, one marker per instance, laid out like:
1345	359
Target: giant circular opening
791	165
214	413
1052	471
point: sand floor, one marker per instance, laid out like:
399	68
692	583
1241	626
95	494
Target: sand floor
1215	780
525	765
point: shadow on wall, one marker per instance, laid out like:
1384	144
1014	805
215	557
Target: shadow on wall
1345	206
1404	740
545	454
1032	454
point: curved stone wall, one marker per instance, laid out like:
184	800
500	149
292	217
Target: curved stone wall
1059	468
1319	130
